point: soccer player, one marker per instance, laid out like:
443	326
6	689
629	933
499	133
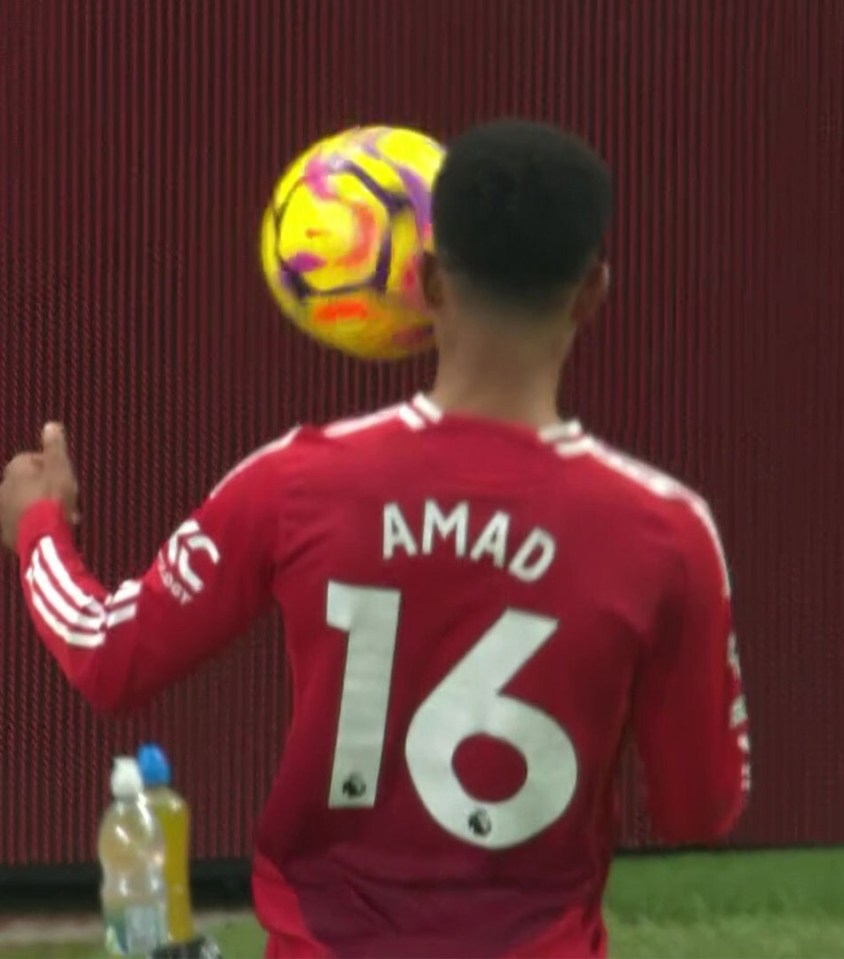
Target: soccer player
480	600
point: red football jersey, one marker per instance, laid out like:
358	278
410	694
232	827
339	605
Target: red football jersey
475	615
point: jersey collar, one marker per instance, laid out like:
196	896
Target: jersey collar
559	432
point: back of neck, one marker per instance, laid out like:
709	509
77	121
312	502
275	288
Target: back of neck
501	372
509	400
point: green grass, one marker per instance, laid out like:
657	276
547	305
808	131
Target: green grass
764	905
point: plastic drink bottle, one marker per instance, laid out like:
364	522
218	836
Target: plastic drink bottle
131	852
173	815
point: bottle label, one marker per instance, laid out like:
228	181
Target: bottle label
135	930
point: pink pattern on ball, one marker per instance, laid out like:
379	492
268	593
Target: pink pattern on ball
305	262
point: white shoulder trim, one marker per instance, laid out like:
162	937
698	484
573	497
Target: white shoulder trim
427	408
411	417
657	483
567	430
402	412
267	450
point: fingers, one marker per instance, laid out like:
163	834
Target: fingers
54	443
59	471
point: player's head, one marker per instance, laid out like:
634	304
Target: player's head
519	214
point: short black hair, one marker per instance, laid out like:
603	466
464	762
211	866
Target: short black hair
519	210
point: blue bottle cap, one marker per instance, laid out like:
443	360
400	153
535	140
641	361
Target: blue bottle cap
154	766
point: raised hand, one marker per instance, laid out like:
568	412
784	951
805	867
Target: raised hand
35	476
58	471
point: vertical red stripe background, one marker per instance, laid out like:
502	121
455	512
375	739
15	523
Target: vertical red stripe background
138	142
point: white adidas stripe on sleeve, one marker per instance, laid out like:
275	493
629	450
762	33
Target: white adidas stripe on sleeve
67	610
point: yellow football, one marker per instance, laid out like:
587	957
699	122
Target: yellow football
342	237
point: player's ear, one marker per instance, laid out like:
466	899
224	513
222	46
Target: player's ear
592	293
430	276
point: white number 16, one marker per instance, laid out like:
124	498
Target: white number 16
468	702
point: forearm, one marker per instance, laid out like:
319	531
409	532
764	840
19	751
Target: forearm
117	648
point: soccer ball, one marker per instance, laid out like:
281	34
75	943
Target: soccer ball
342	238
